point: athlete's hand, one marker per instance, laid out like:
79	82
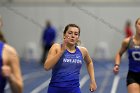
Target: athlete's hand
93	86
6	71
65	43
116	69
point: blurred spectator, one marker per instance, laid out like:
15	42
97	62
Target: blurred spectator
128	29
48	38
2	38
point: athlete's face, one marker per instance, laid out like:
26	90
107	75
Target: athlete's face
72	35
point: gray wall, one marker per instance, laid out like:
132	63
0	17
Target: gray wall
104	23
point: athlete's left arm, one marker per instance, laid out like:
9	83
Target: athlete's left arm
90	68
14	75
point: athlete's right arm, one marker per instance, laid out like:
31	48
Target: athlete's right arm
119	55
53	56
11	69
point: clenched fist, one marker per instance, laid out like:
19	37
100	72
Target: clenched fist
6	71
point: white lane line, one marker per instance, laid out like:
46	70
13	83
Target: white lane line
45	84
33	74
28	76
107	75
83	80
41	87
115	84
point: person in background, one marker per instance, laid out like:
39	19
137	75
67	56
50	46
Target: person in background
9	67
128	29
48	39
66	60
132	46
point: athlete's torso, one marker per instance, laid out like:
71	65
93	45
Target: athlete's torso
66	72
2	79
134	56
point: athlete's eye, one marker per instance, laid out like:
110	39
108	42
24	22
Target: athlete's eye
76	33
69	32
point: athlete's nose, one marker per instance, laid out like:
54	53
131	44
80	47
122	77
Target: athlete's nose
72	35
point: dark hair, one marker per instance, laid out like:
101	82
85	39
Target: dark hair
71	25
137	20
2	38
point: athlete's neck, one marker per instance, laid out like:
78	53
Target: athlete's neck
137	37
71	48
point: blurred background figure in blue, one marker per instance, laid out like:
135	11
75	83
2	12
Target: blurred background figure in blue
128	29
48	39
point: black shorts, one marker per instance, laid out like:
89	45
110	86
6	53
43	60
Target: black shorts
133	77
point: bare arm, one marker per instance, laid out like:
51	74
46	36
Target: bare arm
12	69
53	56
119	55
90	69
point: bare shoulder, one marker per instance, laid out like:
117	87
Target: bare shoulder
9	50
9	54
83	50
126	41
56	46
